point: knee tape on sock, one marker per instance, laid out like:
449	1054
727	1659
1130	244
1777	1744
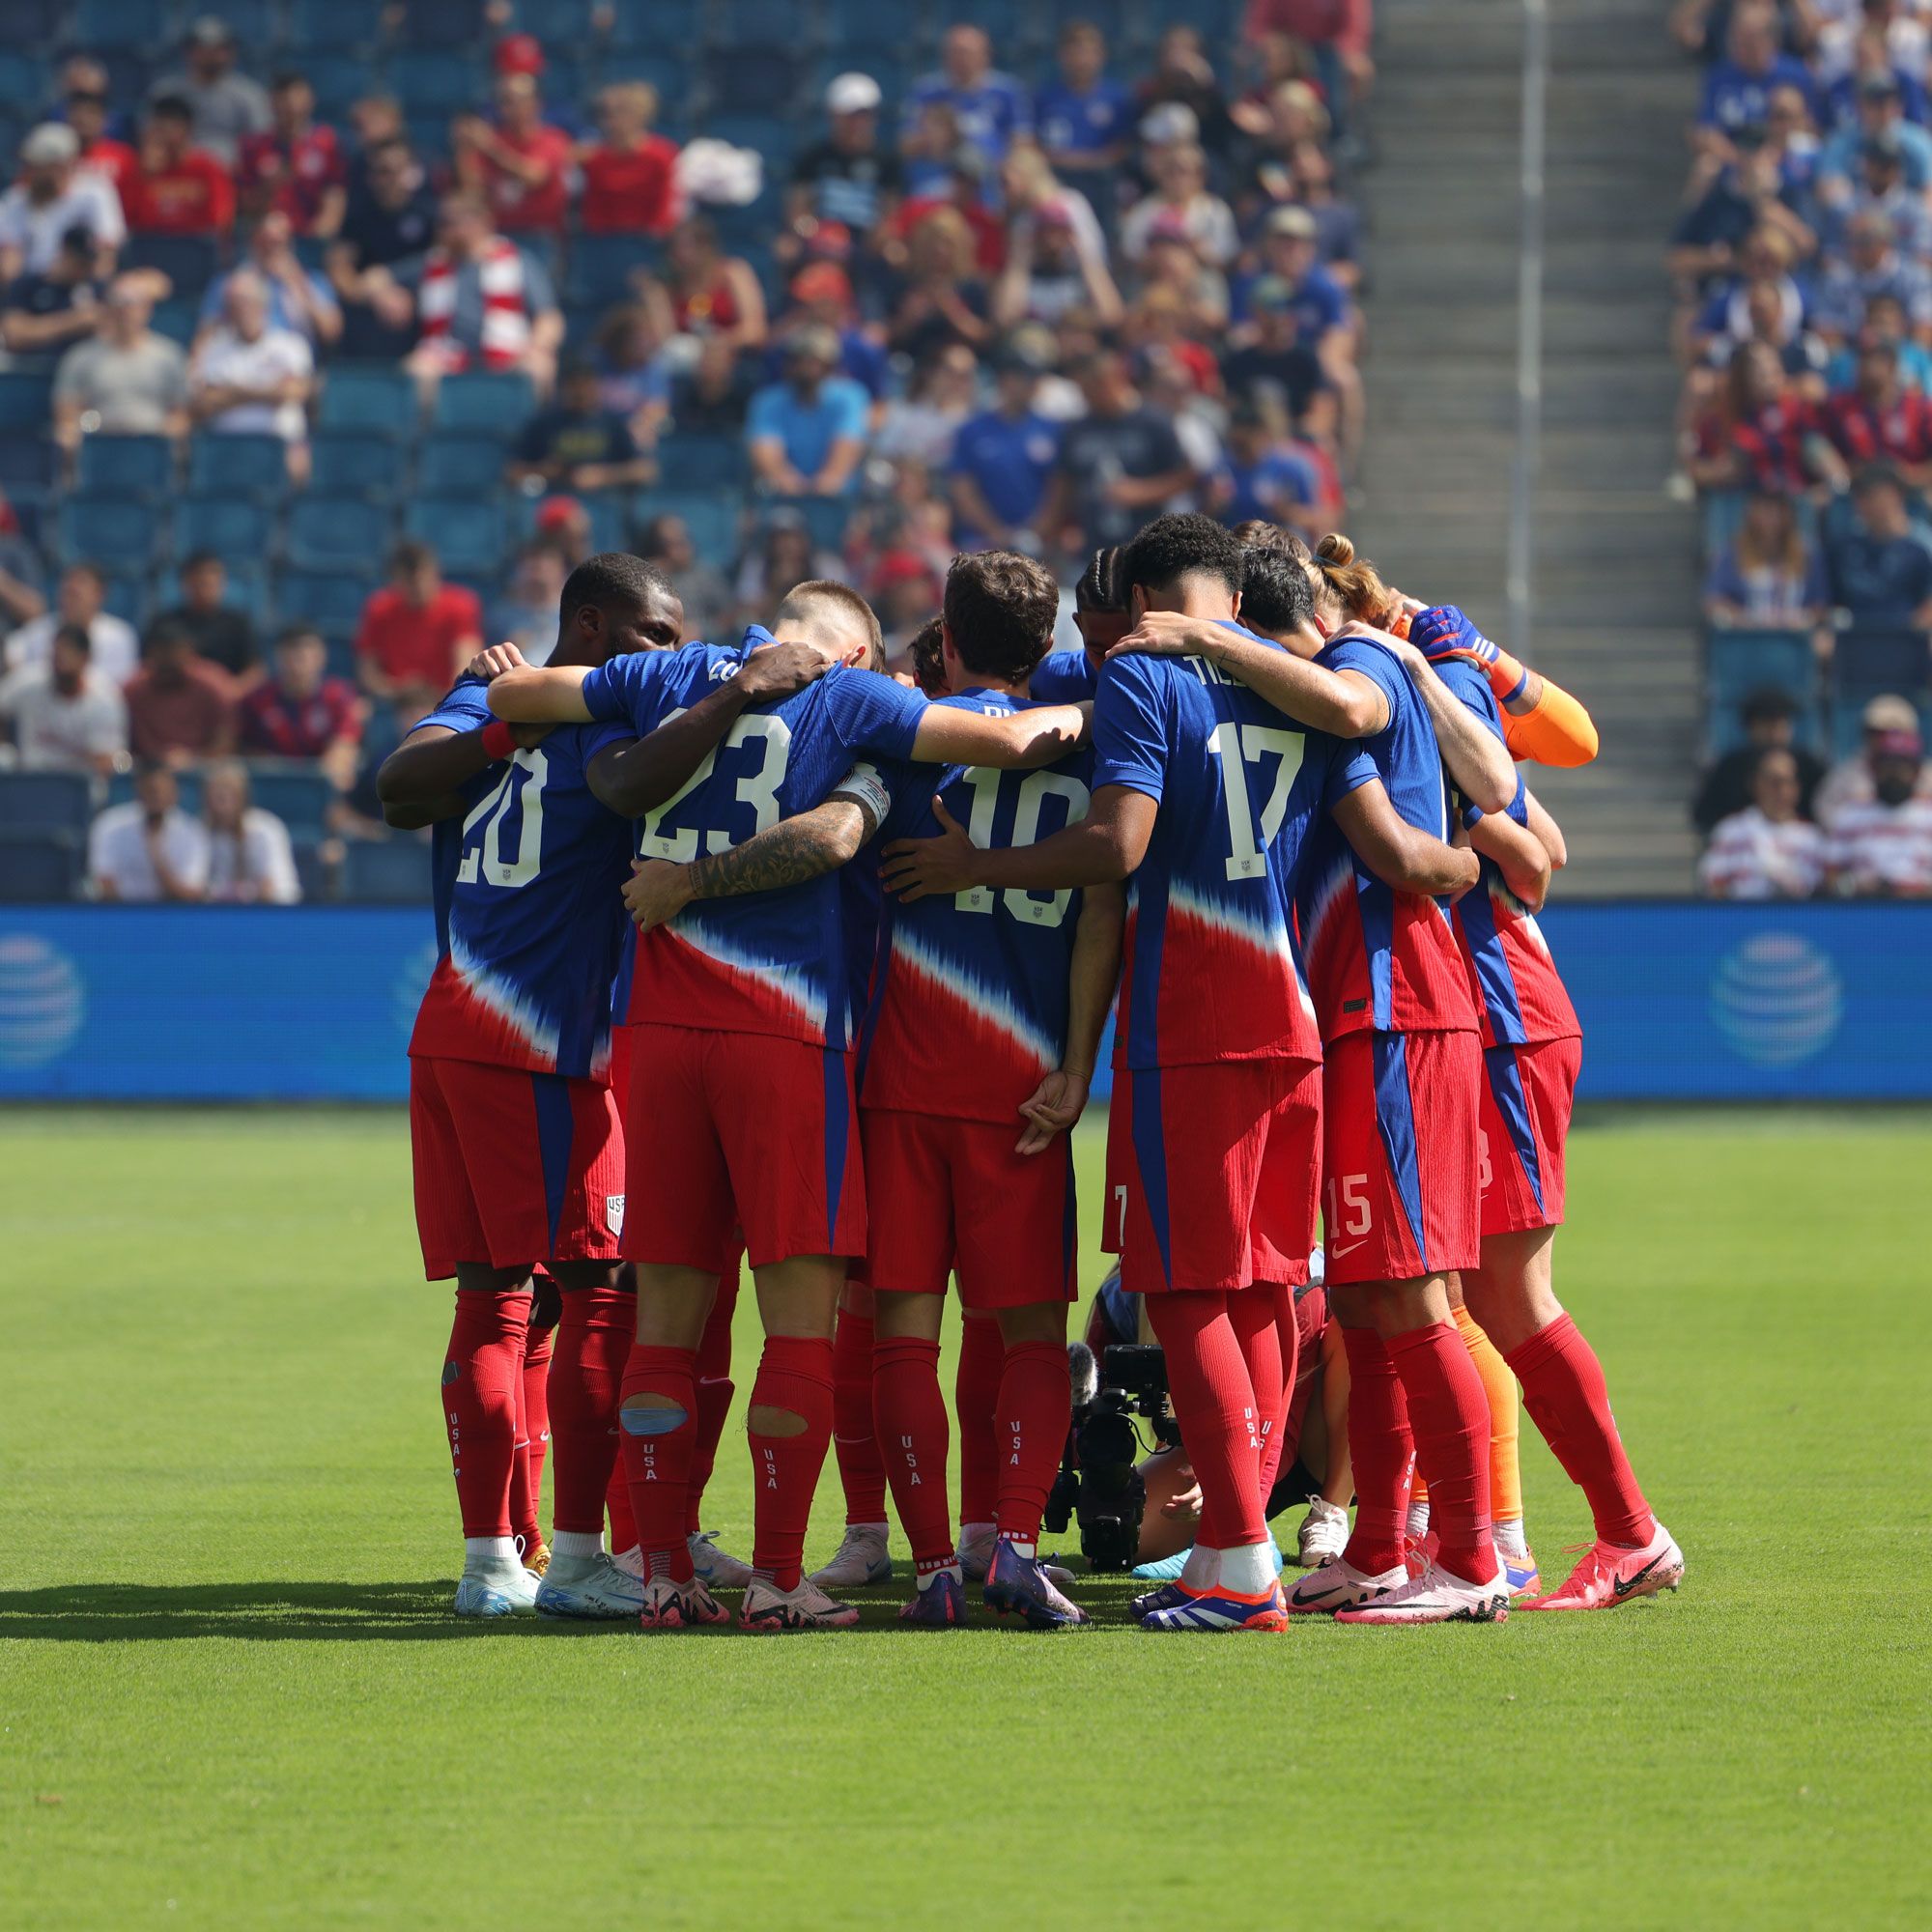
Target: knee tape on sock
652	1415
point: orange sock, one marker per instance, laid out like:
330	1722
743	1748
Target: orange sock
1499	1387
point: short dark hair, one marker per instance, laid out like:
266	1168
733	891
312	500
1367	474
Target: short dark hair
1189	544
171	108
297	634
1100	587
411	553
1275	591
1769	700
1001	608
167	631
1877	476
929	666
612	577
76	635
197	559
649	541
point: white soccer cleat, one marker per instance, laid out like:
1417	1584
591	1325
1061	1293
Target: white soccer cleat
1611	1575
507	1592
589	1587
631	1561
1338	1586
1325	1533
861	1561
976	1542
717	1567
1437	1596
768	1609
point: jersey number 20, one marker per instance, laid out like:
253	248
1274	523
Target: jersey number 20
486	858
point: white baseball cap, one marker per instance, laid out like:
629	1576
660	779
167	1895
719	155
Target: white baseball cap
51	143
852	93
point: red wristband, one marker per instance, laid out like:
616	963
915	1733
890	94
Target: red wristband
498	743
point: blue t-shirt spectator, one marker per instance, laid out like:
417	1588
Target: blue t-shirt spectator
1735	98
1272	488
860	357
1084	124
1841	156
1880	581
989	113
1845	290
807	427
1319	302
1010	459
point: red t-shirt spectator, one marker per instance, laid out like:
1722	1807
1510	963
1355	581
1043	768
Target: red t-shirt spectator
521	210
300	172
115	159
1862	432
630	190
416	643
276	725
193	196
193	716
1769	446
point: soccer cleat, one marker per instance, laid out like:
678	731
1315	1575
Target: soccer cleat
1325	1533
859	1561
668	1605
631	1561
975	1549
589	1587
717	1567
768	1609
1164	1598
1019	1586
940	1605
1164	1569
1436	1597
1611	1575
537	1560
1339	1587
510	1592
1520	1566
1219	1609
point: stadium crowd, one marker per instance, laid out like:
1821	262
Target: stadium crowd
333	336
1803	268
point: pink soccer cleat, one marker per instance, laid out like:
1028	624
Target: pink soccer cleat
1611	1575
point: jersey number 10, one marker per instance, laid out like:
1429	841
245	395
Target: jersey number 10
1048	909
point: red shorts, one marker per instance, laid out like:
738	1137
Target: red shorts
513	1167
1211	1174
1398	1155
951	1197
1526	1103
729	1130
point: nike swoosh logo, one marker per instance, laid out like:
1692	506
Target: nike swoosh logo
1623	1586
1335	1253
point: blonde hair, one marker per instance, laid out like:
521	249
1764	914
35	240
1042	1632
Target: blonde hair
1355	586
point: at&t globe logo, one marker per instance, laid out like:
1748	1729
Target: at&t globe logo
1777	999
43	1002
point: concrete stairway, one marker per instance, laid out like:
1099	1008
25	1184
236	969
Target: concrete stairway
1615	570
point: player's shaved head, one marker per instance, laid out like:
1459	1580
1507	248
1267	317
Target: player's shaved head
614	604
1000	611
836	618
1171	550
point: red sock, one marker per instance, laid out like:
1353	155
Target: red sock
1563	1389
1252	1315
657	1440
1449	1417
861	1467
1214	1403
482	1376
523	1525
593	1345
539	1348
1288	1346
976	1387
1380	1451
909	1413
795	1376
1034	1405
617	1505
715	1390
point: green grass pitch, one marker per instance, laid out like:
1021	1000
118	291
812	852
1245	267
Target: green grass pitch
232	1694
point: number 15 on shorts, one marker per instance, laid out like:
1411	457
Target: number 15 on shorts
1348	1214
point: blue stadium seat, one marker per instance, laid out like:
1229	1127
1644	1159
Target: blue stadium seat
370	399
772	24
337	534
139	468
345	463
190	262
30	23
231	526
121	789
27	400
177	318
470	535
142	25
484	403
24	76
711	515
313	871
340	79
130	597
29	465
765	129
563	26
1877	660
394	872
256	24
246	589
825	517
46	801
297	793
445	23
334	26
597	274
437	80
656	23
108	531
251	467
329	599
1739	663
458	465
38	868
704	460
609	514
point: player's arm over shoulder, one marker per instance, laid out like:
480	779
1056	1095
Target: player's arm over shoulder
1020	740
544	694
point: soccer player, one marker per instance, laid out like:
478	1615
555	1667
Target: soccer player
1208	800
741	1098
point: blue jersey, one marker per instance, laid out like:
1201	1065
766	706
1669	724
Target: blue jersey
1213	969
773	962
970	1007
529	919
1377	957
464	707
1064	677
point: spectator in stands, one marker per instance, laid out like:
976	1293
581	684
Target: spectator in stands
1771	723
21	580
1768	577
1181	193
1156	332
390	219
1727	316
1004	458
1184	76
1881	846
1338	32
297	168
1054	265
990	107
1118	465
1871	265
251	857
1879	188
633	369
1744	199
1853	781
780	554
1881	115
1086	119
941	297
248	379
665	541
905	590
847	177
52	199
227	106
1761	434
920	424
1886	321
1274	362
1769	850
526	613
175	187
806	435
299	711
148	849
223	637
521	165
712	397
821	293
1738	88
126	380
1261	477
482	303
578	445
416	635
1880	420
63	714
630	174
180	710
84	107
299	298
712	293
1324	320
1881	570
42	314
1171	263
80	599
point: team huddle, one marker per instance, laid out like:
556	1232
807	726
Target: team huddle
761	953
